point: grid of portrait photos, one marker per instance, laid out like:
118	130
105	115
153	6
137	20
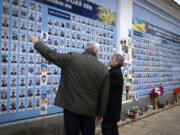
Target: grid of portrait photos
156	61
23	70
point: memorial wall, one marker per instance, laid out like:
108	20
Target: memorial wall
29	83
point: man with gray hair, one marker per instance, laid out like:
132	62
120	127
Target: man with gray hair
84	86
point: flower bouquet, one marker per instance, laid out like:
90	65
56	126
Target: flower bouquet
154	95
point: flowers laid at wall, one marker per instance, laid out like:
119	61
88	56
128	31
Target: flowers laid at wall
157	92
176	92
154	95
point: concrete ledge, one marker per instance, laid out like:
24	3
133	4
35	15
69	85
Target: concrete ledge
46	125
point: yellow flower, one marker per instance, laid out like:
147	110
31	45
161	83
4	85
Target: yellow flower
107	16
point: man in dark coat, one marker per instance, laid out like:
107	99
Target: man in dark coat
112	116
84	86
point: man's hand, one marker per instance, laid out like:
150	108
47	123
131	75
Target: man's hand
33	38
98	120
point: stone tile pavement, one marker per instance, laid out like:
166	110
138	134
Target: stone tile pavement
164	123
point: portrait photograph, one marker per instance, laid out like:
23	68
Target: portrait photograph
56	33
23	38
3	108
49	41
39	29
23	4
31	17
15	2
73	27
62	34
30	105
22	60
13	71
55	71
49	21
4	72
5	23
44	36
38	93
32	6
4	83
56	42
15	14
68	25
39	19
23	26
14	60
24	15
22	49
30	71
49	31
13	83
3	95
38	104
13	95
48	102
68	35
43	79
56	23
5	35
38	71
14	49
31	50
62	25
4	48
79	19
30	94
49	72
37	81
30	83
55	82
22	94
22	71
12	107
48	92
55	91
31	27
49	81
14	37
73	18
21	106
4	59
73	36
30	61
5	2
5	11
39	8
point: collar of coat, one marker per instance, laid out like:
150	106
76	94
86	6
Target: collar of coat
116	67
90	54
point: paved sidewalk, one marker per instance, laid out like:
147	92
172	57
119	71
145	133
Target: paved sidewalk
163	123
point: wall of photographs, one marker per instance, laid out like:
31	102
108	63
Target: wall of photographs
29	83
156	59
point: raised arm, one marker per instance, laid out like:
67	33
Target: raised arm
51	55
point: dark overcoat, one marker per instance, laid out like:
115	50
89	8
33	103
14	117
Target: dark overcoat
115	95
84	83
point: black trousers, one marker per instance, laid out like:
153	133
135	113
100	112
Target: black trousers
74	123
109	128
